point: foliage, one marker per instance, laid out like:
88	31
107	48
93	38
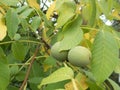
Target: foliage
27	32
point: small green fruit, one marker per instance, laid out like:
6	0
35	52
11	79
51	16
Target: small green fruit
17	36
79	56
60	56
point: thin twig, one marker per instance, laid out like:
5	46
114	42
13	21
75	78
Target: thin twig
29	68
44	4
24	41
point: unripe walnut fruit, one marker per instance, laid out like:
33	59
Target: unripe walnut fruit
60	56
79	56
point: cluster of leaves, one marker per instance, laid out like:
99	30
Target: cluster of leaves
27	34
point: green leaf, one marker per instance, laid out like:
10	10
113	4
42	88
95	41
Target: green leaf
72	34
35	72
56	86
26	13
114	85
93	85
10	87
19	50
9	2
21	9
46	21
24	24
35	23
11	59
50	61
117	68
61	74
33	86
60	5
105	6
66	10
105	54
93	13
4	71
12	22
14	70
35	80
85	14
116	4
20	76
89	17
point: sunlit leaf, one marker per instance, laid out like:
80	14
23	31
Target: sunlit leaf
104	56
72	34
64	15
61	74
117	68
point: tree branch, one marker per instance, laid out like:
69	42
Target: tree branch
29	68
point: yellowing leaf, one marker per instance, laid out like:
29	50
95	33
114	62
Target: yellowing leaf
2	10
34	4
50	10
78	8
116	14
93	33
46	67
3	28
69	86
81	80
92	40
87	36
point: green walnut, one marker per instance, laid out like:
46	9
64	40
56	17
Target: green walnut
79	56
60	56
